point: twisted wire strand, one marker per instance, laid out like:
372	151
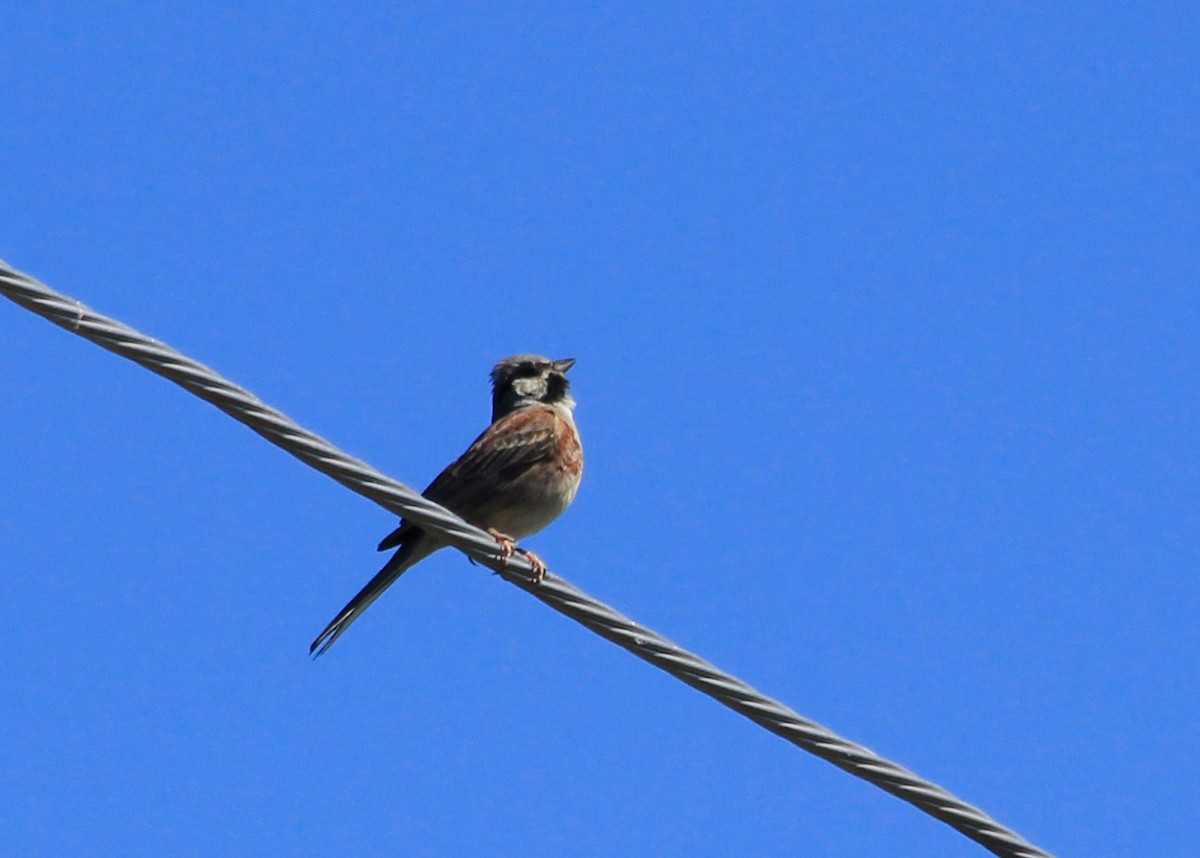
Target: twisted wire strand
559	594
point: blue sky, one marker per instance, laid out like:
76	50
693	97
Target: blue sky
886	320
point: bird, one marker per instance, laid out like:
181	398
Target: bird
516	478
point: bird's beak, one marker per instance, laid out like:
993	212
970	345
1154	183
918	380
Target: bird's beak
564	364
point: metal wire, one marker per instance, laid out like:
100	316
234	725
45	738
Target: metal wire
605	621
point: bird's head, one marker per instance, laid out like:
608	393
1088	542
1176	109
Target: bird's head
523	380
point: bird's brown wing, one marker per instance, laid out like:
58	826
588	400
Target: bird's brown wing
485	473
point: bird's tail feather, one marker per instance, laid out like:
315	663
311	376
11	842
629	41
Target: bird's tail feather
412	551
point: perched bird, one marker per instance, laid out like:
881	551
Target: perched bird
516	478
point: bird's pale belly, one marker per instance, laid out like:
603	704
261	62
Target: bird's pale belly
544	500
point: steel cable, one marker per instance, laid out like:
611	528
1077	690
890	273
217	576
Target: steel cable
605	621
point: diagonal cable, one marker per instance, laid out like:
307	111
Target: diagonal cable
605	621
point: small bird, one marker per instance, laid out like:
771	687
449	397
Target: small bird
516	478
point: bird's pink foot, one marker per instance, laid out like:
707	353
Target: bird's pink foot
539	568
507	544
508	547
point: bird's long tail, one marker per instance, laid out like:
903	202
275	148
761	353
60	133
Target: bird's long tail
416	548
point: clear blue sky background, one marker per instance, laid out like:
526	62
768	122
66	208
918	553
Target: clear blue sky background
887	322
